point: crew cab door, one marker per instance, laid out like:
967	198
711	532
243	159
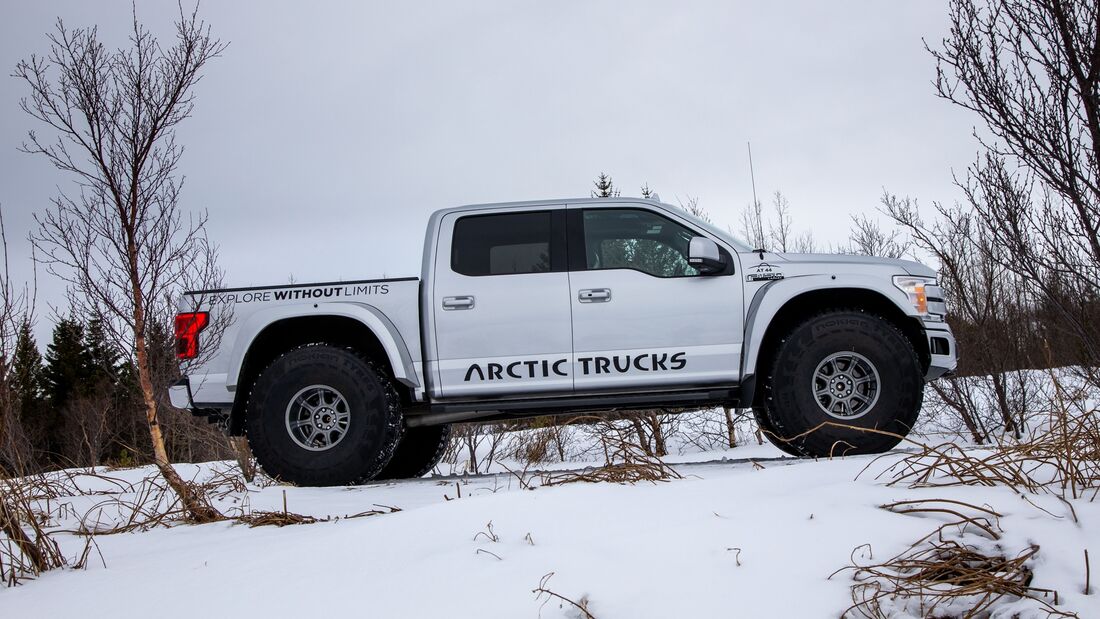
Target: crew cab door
500	303
643	318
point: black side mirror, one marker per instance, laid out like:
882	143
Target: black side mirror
703	254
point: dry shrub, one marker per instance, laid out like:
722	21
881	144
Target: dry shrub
626	462
960	569
26	549
540	440
473	447
1063	458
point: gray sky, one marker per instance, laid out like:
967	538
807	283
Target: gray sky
328	132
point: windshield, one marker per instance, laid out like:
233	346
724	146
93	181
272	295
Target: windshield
737	243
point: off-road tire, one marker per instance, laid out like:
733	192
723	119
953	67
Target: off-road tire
761	415
374	427
791	408
418	452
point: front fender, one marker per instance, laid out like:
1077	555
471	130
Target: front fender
774	295
397	352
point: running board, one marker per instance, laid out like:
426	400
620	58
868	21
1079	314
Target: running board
452	412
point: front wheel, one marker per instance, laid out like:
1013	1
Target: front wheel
323	416
850	371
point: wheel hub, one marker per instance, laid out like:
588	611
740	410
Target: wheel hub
846	385
317	417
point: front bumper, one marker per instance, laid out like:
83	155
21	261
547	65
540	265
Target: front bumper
179	394
943	351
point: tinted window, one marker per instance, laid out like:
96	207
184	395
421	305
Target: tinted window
636	239
502	244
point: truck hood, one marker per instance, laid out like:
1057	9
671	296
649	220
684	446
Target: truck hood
825	260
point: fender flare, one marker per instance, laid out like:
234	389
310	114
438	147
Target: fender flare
397	352
775	295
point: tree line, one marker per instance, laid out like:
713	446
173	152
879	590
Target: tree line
80	404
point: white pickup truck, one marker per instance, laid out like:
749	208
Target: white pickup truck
558	306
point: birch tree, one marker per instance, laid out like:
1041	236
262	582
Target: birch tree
120	238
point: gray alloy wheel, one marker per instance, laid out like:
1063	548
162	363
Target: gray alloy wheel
846	385
317	418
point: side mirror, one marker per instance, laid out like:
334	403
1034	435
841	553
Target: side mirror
703	254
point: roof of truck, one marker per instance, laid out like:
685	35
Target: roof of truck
555	202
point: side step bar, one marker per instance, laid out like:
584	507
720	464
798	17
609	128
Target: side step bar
453	412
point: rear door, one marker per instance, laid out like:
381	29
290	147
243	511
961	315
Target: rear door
501	304
643	318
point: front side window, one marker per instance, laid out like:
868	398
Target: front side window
502	244
636	239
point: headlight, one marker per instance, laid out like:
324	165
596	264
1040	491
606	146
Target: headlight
918	289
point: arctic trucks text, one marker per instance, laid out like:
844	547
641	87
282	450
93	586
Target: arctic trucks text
559	306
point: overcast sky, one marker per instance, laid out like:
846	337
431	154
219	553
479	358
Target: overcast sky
328	132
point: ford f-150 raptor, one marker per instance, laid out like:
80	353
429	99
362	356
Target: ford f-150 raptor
553	307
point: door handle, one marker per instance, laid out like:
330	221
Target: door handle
594	295
458	303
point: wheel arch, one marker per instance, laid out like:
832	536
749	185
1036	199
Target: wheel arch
781	308
355	326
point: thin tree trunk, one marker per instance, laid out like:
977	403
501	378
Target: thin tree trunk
731	429
196	506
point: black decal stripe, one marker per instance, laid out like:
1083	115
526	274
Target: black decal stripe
308	285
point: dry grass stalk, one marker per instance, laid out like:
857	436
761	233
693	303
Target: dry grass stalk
546	595
1064	460
957	570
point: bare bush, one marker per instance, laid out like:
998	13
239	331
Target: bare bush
625	461
473	447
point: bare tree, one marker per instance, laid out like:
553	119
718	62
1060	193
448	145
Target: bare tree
752	225
16	307
123	243
989	310
780	231
1031	70
869	239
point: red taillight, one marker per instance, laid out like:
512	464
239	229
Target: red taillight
188	326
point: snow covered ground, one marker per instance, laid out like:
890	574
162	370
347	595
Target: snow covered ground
745	533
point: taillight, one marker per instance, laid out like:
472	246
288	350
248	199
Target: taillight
188	326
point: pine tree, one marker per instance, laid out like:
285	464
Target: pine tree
27	377
605	188
101	356
67	363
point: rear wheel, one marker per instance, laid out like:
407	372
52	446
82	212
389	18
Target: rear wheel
851	371
323	416
418	452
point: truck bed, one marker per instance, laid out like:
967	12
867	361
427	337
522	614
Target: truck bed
246	312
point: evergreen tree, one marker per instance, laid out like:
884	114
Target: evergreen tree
27	376
63	377
101	356
67	363
605	188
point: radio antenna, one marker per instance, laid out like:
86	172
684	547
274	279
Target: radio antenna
755	201
752	176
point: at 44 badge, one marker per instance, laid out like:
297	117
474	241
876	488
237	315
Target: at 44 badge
763	272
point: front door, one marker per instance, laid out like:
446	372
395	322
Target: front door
501	304
643	318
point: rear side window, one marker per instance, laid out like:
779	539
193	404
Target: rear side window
502	244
